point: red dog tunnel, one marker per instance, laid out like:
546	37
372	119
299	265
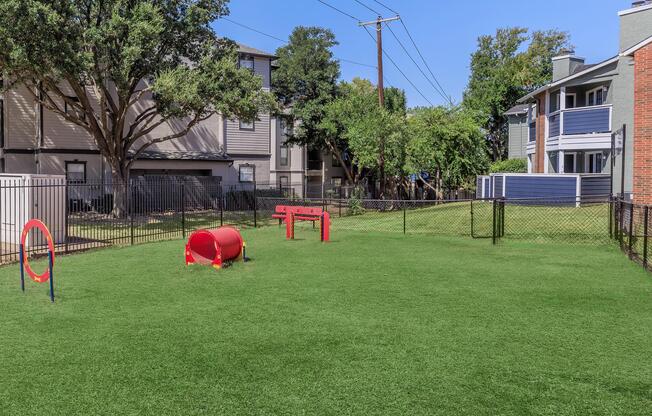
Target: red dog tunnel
214	247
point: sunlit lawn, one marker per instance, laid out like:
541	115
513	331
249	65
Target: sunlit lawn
371	323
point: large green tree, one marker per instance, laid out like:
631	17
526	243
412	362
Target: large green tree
447	143
103	58
304	83
503	69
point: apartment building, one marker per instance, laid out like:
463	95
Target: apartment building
593	118
34	140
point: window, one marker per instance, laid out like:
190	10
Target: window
555	99
571	100
594	162
569	163
284	155
596	96
76	172
71	110
247	62
247	125
247	173
283	182
337	181
2	165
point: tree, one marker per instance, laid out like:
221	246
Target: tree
357	120
448	144
126	67
501	73
304	82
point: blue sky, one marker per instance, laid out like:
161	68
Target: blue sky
445	30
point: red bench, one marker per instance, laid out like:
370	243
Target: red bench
300	213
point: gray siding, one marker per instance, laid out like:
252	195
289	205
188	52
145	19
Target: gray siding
634	28
528	186
586	121
517	137
623	114
248	142
595	185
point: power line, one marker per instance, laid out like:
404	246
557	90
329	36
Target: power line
385	6
285	42
399	69
356	63
367	7
253	30
440	92
384	51
424	60
338	10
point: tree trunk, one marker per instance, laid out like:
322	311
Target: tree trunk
340	159
439	195
120	182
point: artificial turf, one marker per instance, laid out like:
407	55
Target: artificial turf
367	324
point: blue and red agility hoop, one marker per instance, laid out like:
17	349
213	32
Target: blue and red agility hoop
24	258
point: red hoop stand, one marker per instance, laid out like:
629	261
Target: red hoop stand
24	258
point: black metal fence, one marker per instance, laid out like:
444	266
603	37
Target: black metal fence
631	230
87	216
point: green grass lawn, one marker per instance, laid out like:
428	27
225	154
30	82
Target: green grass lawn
371	323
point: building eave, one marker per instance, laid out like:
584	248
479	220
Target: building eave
634	10
567	79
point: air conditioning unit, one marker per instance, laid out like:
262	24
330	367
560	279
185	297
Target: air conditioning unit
27	196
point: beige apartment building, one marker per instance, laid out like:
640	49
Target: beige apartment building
34	140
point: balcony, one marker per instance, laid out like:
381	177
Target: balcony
583	120
314	165
580	128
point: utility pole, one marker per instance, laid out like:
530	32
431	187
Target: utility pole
381	89
379	44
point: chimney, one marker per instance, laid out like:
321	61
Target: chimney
635	24
565	64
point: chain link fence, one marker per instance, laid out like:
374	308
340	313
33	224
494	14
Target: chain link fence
631	227
86	216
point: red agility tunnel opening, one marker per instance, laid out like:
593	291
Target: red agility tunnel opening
214	247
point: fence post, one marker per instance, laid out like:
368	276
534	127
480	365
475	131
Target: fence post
472	219
645	232
340	203
502	218
66	237
493	233
130	204
221	205
631	230
255	206
621	223
183	210
404	218
611	218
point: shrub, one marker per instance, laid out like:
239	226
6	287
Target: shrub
355	202
509	166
